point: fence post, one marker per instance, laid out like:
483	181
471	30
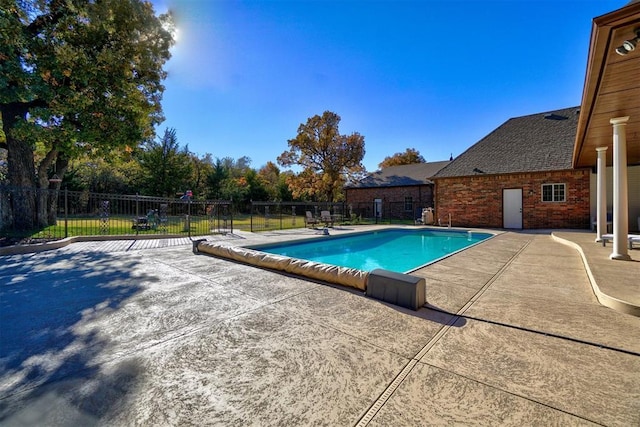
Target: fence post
189	217
344	211
137	216
251	217
66	213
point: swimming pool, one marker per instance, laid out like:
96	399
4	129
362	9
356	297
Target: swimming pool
399	250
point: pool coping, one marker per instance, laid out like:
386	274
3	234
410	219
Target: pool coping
491	233
252	255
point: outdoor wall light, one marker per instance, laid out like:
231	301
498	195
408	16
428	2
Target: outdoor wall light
629	45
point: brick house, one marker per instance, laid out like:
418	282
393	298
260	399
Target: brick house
519	176
571	168
397	192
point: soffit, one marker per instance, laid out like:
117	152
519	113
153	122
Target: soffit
612	88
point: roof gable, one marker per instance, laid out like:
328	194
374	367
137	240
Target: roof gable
403	175
533	143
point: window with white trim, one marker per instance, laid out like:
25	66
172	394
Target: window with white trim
408	204
554	192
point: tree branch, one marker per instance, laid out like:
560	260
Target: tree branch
57	11
45	164
11	110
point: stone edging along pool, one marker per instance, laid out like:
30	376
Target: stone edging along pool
314	270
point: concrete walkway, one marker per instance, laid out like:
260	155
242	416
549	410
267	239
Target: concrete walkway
615	283
513	335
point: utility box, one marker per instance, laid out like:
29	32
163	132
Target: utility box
397	288
427	216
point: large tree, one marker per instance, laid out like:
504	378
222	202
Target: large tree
167	168
328	159
201	167
226	178
409	157
275	182
117	173
75	74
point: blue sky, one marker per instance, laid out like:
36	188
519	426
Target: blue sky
436	76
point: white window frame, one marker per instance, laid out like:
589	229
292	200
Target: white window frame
554	186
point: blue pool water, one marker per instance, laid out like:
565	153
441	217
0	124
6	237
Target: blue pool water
396	250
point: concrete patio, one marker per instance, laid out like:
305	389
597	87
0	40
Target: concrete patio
147	333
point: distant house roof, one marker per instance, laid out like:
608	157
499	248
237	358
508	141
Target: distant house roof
538	142
401	176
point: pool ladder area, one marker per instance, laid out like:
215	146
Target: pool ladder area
440	222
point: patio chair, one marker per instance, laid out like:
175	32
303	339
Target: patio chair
309	220
140	223
631	238
325	216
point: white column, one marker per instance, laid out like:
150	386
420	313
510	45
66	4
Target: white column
601	210
620	192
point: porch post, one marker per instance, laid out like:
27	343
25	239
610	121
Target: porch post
601	210
620	192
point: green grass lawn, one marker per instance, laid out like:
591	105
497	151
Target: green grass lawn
174	225
91	226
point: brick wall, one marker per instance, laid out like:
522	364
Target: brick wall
476	201
421	194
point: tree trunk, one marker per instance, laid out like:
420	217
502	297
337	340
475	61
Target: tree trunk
6	220
21	170
45	190
54	189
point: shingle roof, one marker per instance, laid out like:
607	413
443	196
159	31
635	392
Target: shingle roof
404	175
538	142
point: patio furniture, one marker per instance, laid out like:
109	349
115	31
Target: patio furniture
326	218
632	238
309	220
140	223
146	222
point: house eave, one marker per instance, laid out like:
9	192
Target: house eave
611	87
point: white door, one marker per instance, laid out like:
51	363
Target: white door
512	208
377	208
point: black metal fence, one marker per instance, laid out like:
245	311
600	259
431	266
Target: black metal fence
267	216
81	213
387	212
278	216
